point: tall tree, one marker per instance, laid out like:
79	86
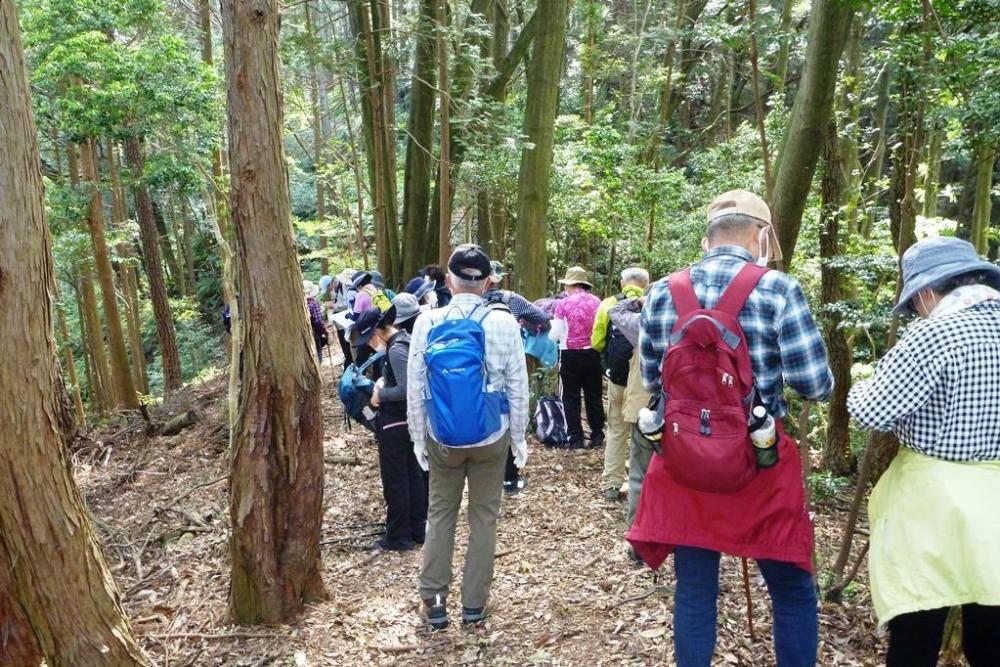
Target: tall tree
420	137
276	492
124	388
829	21
444	155
135	155
53	574
544	70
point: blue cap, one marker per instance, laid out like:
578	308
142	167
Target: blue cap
934	261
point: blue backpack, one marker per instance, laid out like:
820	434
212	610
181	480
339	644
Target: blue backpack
461	406
355	392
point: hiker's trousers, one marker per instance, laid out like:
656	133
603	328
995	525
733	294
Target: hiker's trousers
402	486
640	454
915	638
616	450
581	373
450	469
793	597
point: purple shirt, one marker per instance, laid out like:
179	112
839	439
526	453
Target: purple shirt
579	311
315	314
362	302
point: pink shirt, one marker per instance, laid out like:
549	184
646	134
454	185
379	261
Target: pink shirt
579	311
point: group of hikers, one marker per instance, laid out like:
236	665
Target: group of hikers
697	364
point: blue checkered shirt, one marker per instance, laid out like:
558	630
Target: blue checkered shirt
938	389
785	344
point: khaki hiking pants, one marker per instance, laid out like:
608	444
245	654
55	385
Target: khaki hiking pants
450	468
639	457
617	445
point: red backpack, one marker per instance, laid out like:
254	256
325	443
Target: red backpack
708	388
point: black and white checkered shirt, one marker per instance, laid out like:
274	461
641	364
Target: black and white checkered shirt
938	389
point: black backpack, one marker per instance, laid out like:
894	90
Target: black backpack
551	427
617	353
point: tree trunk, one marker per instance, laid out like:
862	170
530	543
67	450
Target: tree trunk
985	158
781	63
172	378
444	160
188	226
384	75
170	262
491	205
102	392
874	174
130	285
356	170
276	493
419	160
53	574
836	448
81	416
319	162
588	56
121	377
829	21
544	70
932	179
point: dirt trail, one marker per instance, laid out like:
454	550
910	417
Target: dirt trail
565	591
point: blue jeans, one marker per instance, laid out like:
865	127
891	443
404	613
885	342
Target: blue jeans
793	597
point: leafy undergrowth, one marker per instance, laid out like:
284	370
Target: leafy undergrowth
565	591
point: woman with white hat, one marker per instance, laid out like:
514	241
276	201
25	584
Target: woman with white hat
935	537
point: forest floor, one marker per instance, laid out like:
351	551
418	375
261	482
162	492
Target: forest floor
565	590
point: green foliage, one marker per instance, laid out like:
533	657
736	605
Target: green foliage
824	486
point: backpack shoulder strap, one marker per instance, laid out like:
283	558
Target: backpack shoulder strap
682	292
369	361
738	291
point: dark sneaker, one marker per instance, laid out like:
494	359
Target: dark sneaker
386	544
472	615
597	441
634	557
514	488
435	611
576	444
612	495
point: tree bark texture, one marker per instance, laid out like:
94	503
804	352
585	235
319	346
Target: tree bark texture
829	21
121	377
172	378
836	448
544	71
318	138
81	416
444	153
276	491
52	573
100	390
130	284
985	158
419	160
170	261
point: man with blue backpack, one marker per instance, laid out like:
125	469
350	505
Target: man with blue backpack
467	405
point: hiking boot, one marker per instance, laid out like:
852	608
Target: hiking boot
597	441
471	615
514	488
435	611
634	557
612	495
576	444
385	544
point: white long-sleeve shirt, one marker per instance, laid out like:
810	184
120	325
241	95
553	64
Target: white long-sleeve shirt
505	365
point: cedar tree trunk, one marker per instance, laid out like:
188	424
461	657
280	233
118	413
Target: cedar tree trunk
276	485
53	579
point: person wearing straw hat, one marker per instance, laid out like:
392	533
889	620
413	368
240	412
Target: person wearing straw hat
311	291
935	537
402	479
767	520
580	364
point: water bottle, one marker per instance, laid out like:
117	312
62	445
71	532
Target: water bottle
764	437
650	424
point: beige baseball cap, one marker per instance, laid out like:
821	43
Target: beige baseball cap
746	203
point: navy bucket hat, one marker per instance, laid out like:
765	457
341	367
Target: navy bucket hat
934	261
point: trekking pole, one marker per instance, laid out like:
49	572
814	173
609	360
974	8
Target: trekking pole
746	589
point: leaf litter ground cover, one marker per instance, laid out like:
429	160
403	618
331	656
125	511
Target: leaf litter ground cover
565	592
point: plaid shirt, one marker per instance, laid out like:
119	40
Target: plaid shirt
785	345
938	389
315	314
505	365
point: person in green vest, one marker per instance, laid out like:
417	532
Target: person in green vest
616	351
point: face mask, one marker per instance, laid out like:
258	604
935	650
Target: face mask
377	344
764	245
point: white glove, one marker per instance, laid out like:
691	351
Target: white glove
420	451
520	450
